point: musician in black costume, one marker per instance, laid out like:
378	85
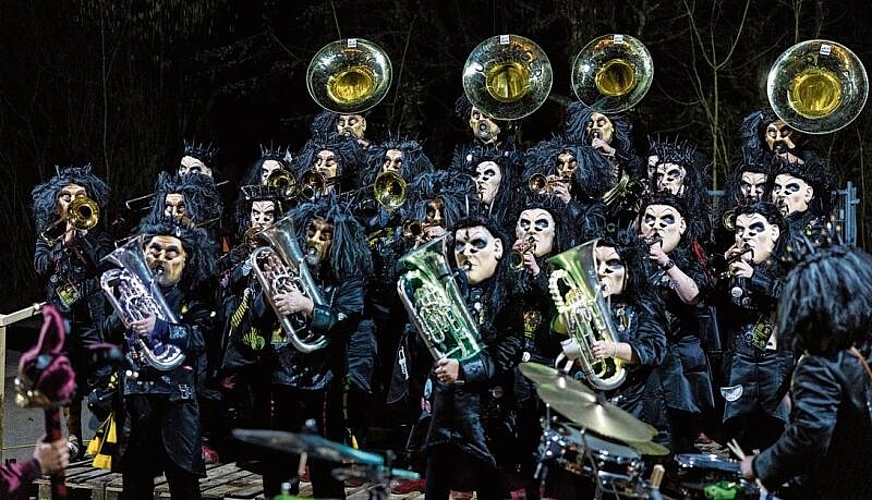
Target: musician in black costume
496	178
542	230
802	193
69	269
824	316
308	386
160	431
486	131
353	125
759	368
336	158
189	199
475	417
246	363
575	175
680	283
765	137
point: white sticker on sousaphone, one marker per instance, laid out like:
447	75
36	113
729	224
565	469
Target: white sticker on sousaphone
732	394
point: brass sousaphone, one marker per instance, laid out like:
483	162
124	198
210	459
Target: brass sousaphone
507	77
349	76
817	86
612	73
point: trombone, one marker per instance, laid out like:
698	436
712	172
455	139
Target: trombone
83	213
130	204
280	184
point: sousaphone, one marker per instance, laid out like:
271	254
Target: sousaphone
612	73
817	86
349	76
507	77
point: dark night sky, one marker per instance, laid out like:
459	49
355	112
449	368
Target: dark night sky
121	83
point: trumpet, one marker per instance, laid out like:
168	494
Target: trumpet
517	260
541	184
415	229
314	184
83	213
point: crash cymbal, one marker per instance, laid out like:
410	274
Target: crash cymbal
542	374
601	417
649	448
312	444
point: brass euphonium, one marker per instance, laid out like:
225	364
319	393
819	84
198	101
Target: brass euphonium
585	315
349	76
83	213
612	73
435	306
507	77
282	243
133	293
817	86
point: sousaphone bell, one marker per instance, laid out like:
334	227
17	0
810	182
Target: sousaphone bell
349	76
817	86
507	77
612	73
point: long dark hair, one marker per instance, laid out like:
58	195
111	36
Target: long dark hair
826	303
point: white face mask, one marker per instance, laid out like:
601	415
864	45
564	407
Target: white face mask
268	167
483	127
174	206
791	194
669	177
610	270
67	195
753	185
487	180
191	165
478	253
536	226
351	125
665	223
166	258
393	161
755	232
600	127
319	240
263	214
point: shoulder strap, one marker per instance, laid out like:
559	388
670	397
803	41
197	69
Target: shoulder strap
859	356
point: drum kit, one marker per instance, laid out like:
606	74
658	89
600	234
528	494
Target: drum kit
369	468
606	444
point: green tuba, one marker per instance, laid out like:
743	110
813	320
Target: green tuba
432	299
585	315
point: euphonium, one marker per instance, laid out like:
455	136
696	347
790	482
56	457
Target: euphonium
432	299
585	314
134	295
282	243
83	213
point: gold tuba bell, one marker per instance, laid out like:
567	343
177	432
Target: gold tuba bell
507	77
282	243
349	76
612	73
432	299
817	86
83	213
584	313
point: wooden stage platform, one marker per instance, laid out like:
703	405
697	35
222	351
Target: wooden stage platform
222	482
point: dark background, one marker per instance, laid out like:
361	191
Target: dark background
121	83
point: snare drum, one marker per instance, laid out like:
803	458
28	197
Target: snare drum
617	468
696	472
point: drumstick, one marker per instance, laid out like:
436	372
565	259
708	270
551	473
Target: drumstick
733	445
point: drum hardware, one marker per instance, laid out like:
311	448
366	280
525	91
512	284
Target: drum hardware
701	475
542	374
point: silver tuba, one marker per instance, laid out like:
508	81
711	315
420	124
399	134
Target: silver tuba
282	243
432	299
584	314
134	295
612	73
349	76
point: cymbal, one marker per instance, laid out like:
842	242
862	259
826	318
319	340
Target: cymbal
649	448
542	374
584	409
312	444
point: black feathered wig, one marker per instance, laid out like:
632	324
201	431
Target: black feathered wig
45	195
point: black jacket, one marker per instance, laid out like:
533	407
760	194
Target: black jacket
828	442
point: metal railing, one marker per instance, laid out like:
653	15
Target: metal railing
5	321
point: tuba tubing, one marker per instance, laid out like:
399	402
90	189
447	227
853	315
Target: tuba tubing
283	243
